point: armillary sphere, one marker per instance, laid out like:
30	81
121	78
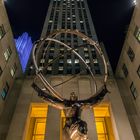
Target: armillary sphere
75	128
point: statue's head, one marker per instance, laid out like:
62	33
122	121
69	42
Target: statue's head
73	97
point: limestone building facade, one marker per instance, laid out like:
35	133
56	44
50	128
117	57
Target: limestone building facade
128	72
9	69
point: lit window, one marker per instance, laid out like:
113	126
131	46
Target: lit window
42	61
138	71
103	122
41	68
87	61
131	54
101	129
125	70
2	31
49	68
137	33
37	121
39	129
95	61
62	49
50	60
13	70
76	61
61	68
133	90
52	49
93	49
7	53
69	61
83	39
85	49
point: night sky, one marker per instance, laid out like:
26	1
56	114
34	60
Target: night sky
110	17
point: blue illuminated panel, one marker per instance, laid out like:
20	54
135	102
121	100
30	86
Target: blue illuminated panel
24	46
3	94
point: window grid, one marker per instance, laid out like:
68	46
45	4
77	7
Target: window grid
131	54
7	53
69	12
13	70
125	70
5	90
133	90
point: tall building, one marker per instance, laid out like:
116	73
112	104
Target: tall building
24	47
33	119
10	69
70	15
128	72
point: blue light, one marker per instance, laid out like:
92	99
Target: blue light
3	94
24	47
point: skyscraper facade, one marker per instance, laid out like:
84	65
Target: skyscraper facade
33	119
9	69
128	72
70	15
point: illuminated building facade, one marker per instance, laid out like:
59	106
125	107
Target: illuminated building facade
24	47
128	72
70	15
33	119
10	69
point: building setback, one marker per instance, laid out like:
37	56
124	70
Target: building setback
33	119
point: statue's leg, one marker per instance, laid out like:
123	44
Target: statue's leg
65	135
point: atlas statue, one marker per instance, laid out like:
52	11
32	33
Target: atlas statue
75	128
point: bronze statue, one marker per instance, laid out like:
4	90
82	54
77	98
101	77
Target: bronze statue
75	128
